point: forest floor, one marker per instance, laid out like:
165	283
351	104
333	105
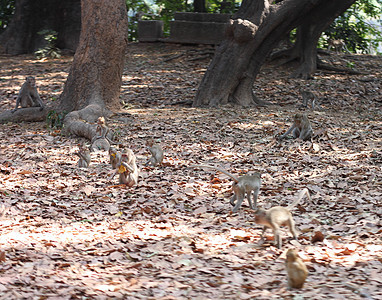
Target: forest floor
71	233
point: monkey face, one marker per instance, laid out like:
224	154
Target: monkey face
31	81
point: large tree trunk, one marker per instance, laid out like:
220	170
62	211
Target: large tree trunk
95	78
32	16
308	33
254	31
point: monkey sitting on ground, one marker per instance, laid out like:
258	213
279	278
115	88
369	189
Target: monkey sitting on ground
242	185
84	155
113	157
296	269
100	141
156	153
300	128
28	95
127	168
276	216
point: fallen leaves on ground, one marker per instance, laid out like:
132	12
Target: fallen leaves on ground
69	233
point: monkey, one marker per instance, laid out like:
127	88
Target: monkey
242	185
338	45
127	168
296	269
276	216
100	141
308	96
28	95
156	153
84	155
113	157
300	128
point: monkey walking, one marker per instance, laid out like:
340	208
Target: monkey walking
277	216
338	45
242	185
300	128
309	97
296	269
28	95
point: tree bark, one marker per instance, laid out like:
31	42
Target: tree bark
95	77
253	32
32	16
200	6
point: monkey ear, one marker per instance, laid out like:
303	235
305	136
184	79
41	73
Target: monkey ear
26	78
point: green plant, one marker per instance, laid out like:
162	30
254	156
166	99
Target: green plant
55	120
7	8
50	49
358	27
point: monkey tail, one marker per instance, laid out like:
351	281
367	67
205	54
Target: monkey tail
302	193
234	178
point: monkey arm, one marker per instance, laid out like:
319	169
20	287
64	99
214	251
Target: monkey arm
288	131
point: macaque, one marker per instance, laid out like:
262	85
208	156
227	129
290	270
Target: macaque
338	45
156	153
28	95
309	97
84	155
276	216
113	157
300	128
127	168
296	269
100	141
242	185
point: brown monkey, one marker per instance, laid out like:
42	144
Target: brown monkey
113	157
296	269
100	141
338	45
300	128
28	95
156	153
84	155
276	216
126	168
242	185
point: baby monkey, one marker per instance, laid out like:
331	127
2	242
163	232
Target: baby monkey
156	153
242	185
127	168
28	95
100	141
113	157
277	216
300	128
296	269
84	155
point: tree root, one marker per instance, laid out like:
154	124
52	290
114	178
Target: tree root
29	114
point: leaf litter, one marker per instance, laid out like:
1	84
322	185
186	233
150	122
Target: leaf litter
69	233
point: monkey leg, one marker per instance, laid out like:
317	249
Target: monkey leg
277	237
296	133
255	196
240	198
249	200
292	228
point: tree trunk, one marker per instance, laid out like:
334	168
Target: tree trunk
310	31
95	77
200	6
254	31
32	16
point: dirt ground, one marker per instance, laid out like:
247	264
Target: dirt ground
71	233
